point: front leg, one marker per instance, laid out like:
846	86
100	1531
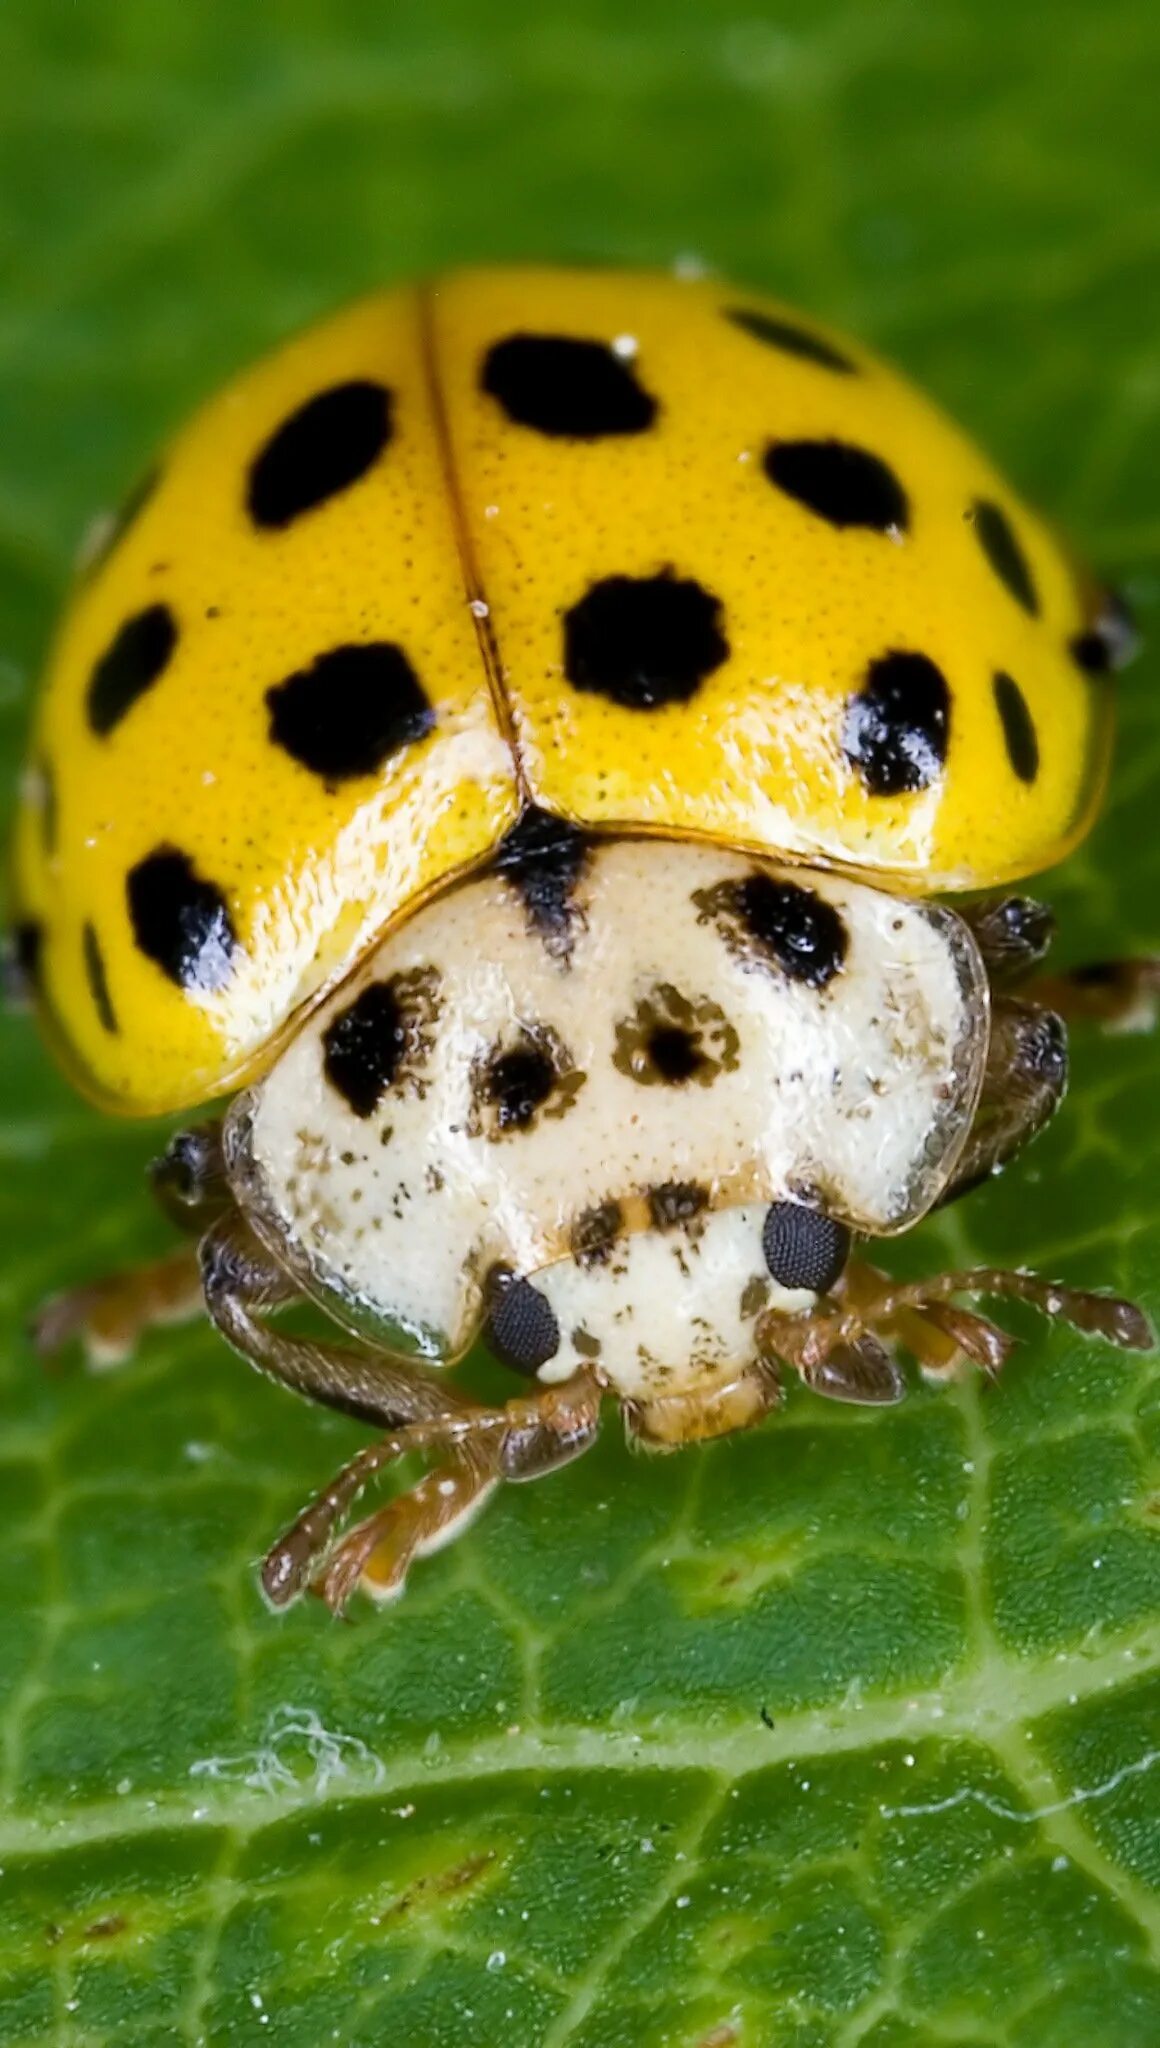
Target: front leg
881	1307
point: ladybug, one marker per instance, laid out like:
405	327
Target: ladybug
518	743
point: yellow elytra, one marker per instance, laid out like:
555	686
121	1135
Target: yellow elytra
642	552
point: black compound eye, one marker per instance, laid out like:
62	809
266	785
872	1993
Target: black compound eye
521	1327
803	1247
573	389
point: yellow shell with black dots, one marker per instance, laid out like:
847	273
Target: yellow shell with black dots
642	552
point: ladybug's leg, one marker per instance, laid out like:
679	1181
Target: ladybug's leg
879	1304
1122	995
472	1447
1023	1086
1013	934
110	1315
523	1440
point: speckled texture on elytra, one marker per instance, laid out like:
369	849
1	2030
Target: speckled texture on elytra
604	540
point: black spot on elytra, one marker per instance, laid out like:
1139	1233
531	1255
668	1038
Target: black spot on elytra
181	921
363	1046
137	656
791	339
897	726
789	925
543	857
674	1202
803	1247
644	641
1019	734
517	1083
126	515
576	390
323	448
845	485
1110	641
353	708
97	978
1000	544
594	1233
521	1326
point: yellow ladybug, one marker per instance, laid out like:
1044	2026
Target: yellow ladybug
516	738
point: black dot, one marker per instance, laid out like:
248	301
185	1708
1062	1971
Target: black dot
802	933
521	1327
644	641
1018	727
897	727
803	1247
846	485
543	858
791	339
675	1053
97	978
130	665
518	1082
364	1045
1110	642
126	515
1000	544
350	710
578	390
22	960
594	1233
327	445
180	921
676	1201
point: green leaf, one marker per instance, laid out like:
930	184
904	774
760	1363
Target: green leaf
843	1733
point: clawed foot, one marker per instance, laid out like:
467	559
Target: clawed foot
839	1350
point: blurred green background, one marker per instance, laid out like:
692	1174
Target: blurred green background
842	1736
